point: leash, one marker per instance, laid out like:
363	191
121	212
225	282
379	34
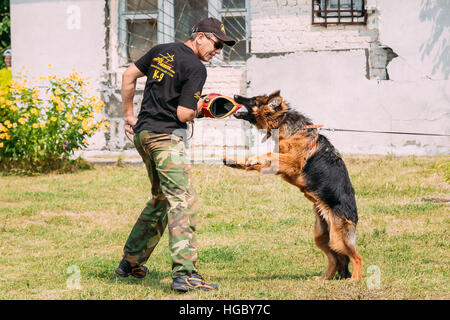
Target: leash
126	134
388	132
320	126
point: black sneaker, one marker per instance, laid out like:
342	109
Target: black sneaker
125	269
192	282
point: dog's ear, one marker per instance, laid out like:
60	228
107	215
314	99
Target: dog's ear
261	100
274	94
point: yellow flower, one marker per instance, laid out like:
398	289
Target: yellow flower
74	149
1	144
50	65
58	92
7	122
14	125
60	107
35	125
75	121
21	121
2	135
42	124
84	141
34	111
80	131
53	118
26	114
106	123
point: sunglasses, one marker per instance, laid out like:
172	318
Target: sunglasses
217	45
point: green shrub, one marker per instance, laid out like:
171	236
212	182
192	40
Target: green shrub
41	126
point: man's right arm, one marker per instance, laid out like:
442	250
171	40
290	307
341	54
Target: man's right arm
129	78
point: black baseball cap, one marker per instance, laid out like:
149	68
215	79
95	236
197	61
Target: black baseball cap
215	27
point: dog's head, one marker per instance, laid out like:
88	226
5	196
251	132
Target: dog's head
260	109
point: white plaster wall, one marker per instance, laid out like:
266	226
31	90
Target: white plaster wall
69	35
331	88
419	32
45	32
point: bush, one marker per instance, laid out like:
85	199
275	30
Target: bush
41	127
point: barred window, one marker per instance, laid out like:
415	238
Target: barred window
326	12
234	18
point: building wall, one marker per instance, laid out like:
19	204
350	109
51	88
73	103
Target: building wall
68	35
336	75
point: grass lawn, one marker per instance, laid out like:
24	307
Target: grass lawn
61	236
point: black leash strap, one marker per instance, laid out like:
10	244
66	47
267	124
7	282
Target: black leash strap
389	132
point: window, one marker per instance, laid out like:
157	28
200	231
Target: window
145	23
137	28
325	12
234	18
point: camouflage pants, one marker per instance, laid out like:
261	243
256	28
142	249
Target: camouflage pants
172	204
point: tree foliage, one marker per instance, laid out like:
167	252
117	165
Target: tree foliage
5	29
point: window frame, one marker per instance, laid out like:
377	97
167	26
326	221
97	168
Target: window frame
320	16
236	12
166	29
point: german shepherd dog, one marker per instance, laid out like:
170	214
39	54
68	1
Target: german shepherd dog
309	161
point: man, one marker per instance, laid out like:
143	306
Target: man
7	58
175	79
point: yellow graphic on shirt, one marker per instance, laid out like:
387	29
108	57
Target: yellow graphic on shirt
168	58
162	65
158	75
197	95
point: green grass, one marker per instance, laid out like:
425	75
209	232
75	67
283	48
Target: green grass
255	234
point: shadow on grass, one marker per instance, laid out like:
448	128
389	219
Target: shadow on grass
153	278
237	277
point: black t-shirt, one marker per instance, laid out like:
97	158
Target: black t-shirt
175	76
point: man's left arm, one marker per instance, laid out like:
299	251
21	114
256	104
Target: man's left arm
190	101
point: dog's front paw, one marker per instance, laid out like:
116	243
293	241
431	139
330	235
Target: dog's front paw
250	162
229	162
232	163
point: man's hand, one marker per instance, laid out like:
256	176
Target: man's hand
130	121
129	78
200	107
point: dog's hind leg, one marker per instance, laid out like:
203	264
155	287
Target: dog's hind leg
342	241
322	239
342	267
